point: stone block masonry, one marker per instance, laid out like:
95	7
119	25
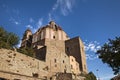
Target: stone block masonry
16	65
56	57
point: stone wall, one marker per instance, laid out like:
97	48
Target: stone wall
41	53
17	63
56	58
64	76
57	61
75	48
83	56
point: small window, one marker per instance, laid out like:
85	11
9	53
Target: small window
72	60
55	60
50	78
63	61
53	37
64	70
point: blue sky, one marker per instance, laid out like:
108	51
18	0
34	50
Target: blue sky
93	20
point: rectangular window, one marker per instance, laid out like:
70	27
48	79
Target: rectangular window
72	60
55	60
53	37
63	61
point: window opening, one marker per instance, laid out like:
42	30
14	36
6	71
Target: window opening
63	61
53	37
55	60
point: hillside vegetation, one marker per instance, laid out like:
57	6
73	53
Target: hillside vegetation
8	40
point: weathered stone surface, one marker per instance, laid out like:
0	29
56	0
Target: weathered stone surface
12	62
75	48
56	56
64	76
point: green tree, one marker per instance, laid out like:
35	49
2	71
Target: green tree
110	54
8	39
3	34
12	39
27	51
90	76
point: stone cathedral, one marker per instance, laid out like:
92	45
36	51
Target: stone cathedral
57	57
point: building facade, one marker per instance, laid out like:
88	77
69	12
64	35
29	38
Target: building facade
60	53
57	57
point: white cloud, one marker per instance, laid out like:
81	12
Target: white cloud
29	26
14	21
91	48
91	56
64	6
38	24
55	6
31	20
106	77
49	16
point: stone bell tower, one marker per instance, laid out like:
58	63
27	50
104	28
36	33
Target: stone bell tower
27	39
